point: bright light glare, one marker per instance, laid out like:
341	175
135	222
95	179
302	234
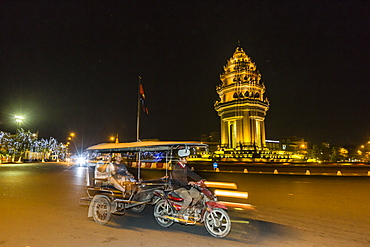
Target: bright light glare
231	186
19	119
81	160
235	194
237	205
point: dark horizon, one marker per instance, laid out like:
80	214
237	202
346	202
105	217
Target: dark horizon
74	67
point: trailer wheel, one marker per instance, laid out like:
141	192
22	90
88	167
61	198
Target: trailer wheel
102	210
139	208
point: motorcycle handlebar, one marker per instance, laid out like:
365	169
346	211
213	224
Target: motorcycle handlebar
200	183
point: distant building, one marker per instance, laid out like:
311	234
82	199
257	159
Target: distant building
293	143
273	145
242	105
297	145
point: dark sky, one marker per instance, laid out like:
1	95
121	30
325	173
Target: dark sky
74	66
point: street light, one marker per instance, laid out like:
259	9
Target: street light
69	140
18	120
114	139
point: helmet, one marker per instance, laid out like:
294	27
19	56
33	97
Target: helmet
184	152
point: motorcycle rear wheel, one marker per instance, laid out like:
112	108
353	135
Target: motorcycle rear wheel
217	222
102	211
162	209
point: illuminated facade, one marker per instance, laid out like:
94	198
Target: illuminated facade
242	105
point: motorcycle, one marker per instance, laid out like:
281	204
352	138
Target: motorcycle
103	197
207	210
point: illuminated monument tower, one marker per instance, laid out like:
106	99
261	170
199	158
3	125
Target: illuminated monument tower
241	104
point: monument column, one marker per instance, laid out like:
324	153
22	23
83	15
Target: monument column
241	105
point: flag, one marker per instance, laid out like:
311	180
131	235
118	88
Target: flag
142	99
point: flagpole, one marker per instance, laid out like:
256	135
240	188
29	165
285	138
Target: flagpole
138	112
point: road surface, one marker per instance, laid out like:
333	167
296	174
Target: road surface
39	206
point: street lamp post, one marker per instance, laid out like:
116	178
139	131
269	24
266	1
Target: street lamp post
69	139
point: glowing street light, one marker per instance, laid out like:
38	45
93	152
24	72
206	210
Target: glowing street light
114	138
18	120
69	140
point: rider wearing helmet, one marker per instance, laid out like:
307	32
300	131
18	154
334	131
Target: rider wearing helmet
180	183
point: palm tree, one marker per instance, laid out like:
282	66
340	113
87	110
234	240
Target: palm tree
4	144
23	141
53	145
60	150
47	147
44	148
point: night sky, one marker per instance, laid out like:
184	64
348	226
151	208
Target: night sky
74	66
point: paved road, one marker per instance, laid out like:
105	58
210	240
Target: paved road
39	207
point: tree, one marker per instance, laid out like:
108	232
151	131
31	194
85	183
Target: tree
325	151
316	153
60	151
53	145
343	152
334	156
23	142
5	139
44	148
47	147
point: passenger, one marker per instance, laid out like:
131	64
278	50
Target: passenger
121	169
101	169
180	183
117	174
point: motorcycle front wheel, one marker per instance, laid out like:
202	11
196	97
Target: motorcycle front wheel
217	222
161	211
